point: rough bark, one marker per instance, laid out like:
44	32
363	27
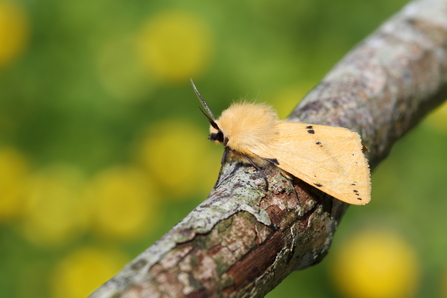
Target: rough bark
242	241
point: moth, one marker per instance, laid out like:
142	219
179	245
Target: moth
329	158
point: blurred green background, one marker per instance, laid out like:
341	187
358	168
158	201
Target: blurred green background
103	149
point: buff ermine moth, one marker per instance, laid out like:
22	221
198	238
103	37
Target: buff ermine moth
329	158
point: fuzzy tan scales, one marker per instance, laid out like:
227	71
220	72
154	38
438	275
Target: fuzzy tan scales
326	157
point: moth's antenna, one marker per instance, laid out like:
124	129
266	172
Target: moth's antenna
211	121
202	101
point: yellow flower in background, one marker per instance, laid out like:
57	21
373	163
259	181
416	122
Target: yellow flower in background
54	211
174	153
84	270
125	203
13	174
174	46
14	31
376	264
438	119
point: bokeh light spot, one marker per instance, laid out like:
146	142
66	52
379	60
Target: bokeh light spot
125	203
13	173
174	153
54	210
174	46
84	270
14	31
376	264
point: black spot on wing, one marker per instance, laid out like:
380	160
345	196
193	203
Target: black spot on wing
359	199
273	161
318	185
319	144
310	129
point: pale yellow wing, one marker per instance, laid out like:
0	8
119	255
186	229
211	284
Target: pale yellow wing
326	157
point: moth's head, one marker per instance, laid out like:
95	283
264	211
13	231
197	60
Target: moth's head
216	134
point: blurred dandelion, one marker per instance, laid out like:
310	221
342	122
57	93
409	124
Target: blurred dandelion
82	271
13	174
174	46
54	211
14	31
125	203
175	153
376	264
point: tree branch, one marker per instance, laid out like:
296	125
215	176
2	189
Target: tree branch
243	241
